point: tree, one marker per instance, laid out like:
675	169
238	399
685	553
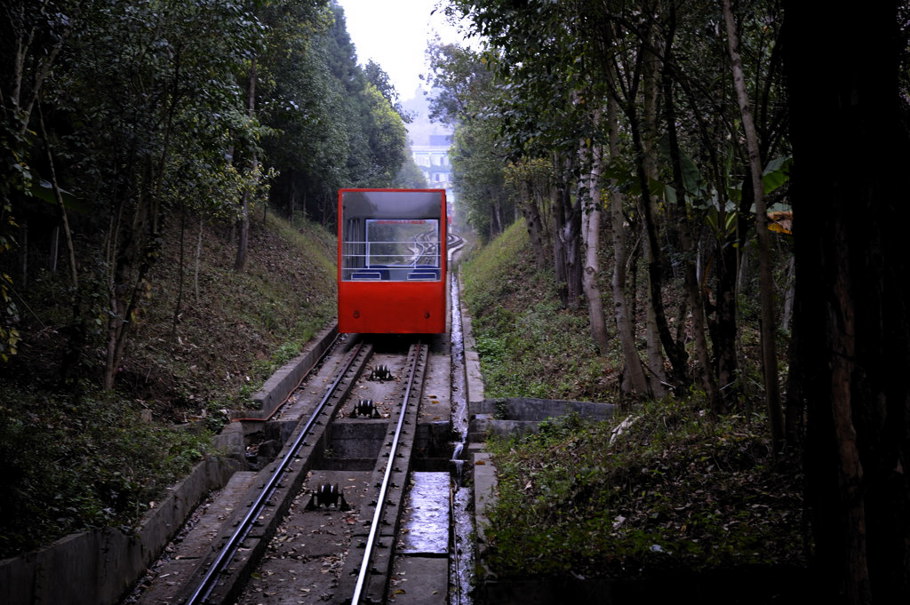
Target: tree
376	76
465	95
410	176
300	102
477	164
331	123
137	116
851	331
756	168
677	157
31	39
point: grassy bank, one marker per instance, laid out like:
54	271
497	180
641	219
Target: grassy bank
663	486
204	338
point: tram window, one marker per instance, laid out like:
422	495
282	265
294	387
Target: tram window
396	250
391	235
402	243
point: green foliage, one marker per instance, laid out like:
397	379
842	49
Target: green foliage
334	124
410	176
662	487
466	97
70	465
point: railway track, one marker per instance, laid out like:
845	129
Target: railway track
320	522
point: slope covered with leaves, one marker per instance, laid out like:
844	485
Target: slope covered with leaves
663	486
205	337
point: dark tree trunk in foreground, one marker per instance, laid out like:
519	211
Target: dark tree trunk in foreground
850	200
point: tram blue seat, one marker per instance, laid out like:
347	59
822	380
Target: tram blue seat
423	275
371	275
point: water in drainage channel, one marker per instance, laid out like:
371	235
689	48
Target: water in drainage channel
462	564
437	552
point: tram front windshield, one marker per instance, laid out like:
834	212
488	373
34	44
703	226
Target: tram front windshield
391	236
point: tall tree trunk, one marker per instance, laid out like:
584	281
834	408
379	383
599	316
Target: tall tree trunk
78	331
570	236
243	233
644	133
590	232
682	225
559	252
197	259
658	328
132	247
181	270
766	284
723	319
61	206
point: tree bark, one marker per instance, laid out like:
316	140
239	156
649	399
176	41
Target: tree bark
590	233
633	375
197	260
766	287
243	240
566	236
682	225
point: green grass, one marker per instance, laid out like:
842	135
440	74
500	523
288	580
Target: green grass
676	490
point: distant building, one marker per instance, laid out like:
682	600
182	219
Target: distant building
433	160
430	143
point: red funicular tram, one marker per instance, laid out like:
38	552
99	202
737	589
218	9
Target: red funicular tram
392	261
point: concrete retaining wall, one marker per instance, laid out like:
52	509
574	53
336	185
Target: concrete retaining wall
283	382
519	415
97	567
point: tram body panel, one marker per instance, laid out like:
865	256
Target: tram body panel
392	261
392	308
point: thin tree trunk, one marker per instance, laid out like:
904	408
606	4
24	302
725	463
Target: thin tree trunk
61	206
243	237
559	251
682	226
178	306
590	232
243	241
634	379
766	288
54	250
198	258
23	254
571	240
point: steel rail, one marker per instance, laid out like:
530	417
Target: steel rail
384	487
204	589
